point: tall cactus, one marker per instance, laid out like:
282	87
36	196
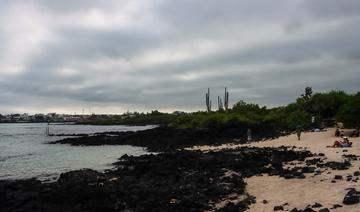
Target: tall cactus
208	101
226	99
220	104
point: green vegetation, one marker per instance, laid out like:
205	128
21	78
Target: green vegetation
349	113
135	118
324	108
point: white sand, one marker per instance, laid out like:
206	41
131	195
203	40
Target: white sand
302	192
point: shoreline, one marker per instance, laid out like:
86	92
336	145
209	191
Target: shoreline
165	139
180	181
226	177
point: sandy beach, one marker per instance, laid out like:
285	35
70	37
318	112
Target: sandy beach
273	191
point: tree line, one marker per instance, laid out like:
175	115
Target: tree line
309	110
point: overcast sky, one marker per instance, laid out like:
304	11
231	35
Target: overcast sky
118	55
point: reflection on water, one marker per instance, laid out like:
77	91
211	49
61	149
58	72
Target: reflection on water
24	151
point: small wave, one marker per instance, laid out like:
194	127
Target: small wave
32	128
19	134
6	135
48	177
4	158
5	176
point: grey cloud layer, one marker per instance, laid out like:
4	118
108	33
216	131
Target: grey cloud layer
164	54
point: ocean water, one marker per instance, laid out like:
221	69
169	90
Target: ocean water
24	152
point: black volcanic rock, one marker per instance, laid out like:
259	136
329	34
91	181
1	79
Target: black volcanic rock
336	206
338	177
162	139
316	205
231	207
177	181
313	161
335	165
278	208
308	169
351	157
352	197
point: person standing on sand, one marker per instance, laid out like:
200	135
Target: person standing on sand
298	131
249	135
337	132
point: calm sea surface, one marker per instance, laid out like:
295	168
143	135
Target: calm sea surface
24	152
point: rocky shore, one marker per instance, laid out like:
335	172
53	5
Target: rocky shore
162	139
177	181
252	177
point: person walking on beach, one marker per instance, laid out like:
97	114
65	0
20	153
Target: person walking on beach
298	131
249	135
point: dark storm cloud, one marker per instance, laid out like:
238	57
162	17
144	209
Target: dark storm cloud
158	54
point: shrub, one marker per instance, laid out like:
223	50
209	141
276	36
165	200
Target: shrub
349	113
